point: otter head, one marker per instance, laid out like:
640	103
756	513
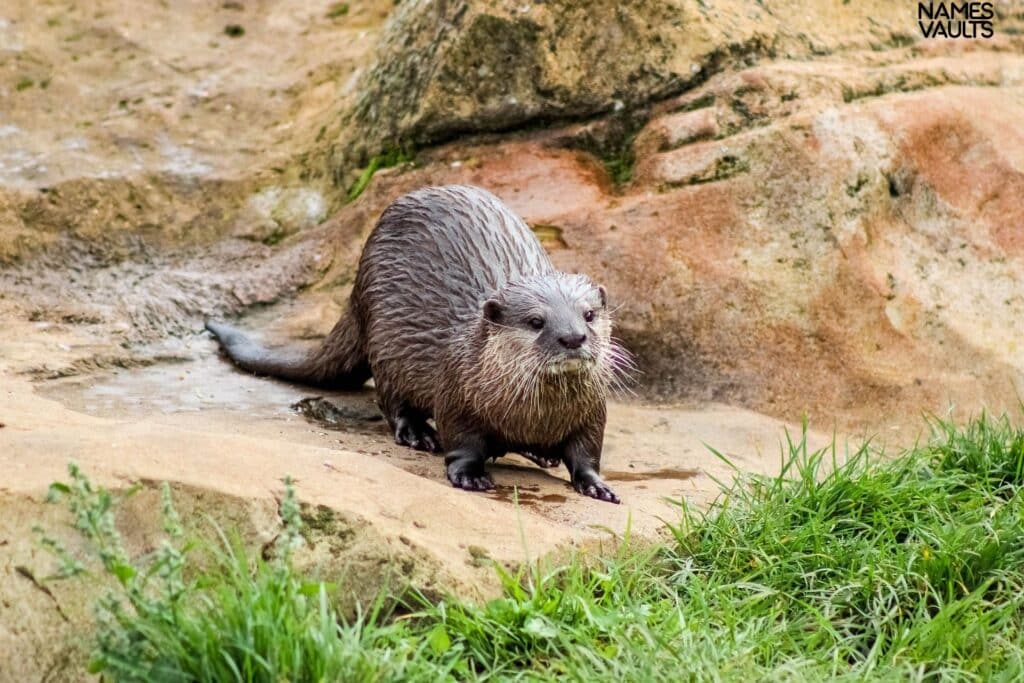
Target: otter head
559	322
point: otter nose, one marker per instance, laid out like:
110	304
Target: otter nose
572	341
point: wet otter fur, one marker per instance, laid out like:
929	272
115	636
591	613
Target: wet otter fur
458	315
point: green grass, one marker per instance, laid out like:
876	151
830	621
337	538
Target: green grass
620	166
848	568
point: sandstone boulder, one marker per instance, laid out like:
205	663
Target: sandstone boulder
451	67
838	235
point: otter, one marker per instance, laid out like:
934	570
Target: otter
459	316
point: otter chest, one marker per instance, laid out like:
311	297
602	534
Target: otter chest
545	417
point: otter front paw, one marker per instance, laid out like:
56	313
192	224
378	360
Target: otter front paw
595	488
465	467
416	434
471	482
544	461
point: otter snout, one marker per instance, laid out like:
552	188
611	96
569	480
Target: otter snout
572	341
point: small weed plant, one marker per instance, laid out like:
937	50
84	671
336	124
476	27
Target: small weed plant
390	157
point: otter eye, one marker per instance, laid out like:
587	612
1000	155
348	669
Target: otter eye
589	316
536	323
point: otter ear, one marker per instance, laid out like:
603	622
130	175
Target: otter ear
603	294
492	310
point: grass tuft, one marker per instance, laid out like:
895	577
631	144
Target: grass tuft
239	618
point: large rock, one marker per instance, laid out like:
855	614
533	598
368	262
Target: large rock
836	235
451	67
116	121
808	213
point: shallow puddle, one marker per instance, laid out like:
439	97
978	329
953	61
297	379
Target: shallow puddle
208	383
665	473
652	454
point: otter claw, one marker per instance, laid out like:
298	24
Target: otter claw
469	482
542	461
598	490
420	437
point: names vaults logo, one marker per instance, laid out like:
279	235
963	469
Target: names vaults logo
956	20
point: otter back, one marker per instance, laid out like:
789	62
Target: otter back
435	256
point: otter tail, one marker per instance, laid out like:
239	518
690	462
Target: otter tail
338	363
